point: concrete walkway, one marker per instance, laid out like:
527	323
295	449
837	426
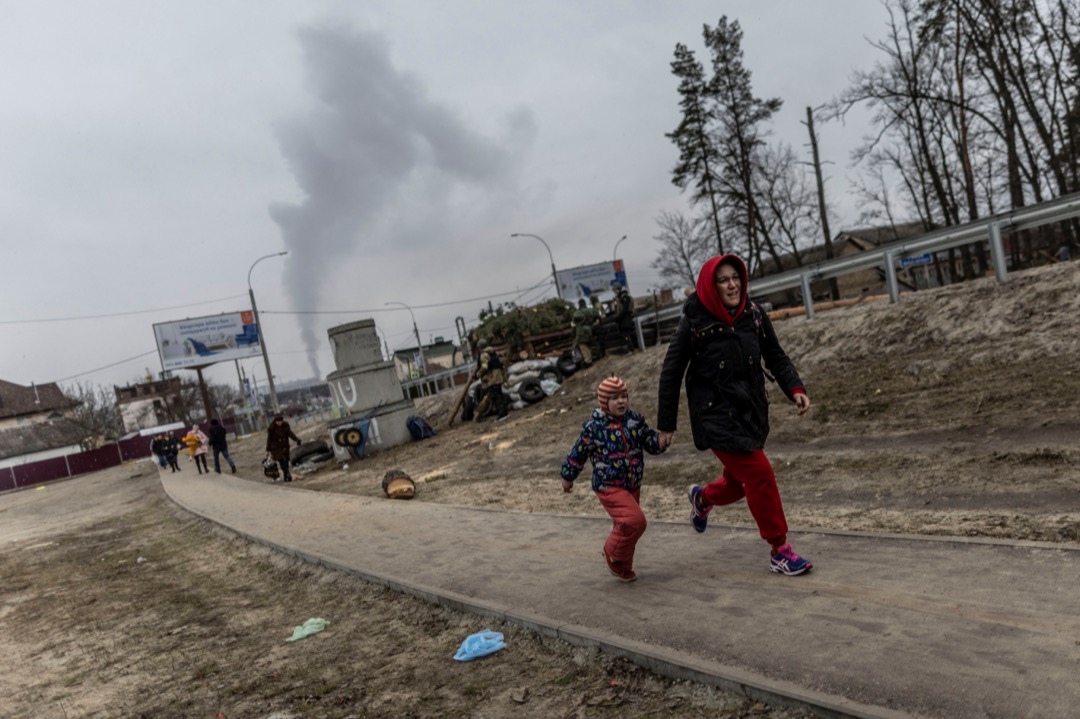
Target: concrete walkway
884	626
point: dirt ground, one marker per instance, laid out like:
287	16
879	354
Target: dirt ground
952	412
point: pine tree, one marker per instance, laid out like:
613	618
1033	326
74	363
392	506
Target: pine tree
739	136
699	159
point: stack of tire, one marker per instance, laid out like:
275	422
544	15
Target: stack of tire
311	453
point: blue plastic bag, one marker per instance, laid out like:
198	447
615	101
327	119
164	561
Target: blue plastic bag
480	645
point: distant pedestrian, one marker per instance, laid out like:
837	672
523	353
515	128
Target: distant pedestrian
592	316
220	444
278	435
172	450
157	446
583	337
196	442
595	315
489	368
613	439
623	312
721	342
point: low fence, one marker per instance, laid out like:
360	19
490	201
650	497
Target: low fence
318	416
436	382
71	465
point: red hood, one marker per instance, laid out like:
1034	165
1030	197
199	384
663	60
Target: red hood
706	288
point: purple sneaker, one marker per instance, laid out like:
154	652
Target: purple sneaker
700	516
785	561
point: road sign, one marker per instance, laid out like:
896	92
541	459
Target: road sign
916	260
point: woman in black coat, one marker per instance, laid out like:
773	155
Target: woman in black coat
278	435
720	345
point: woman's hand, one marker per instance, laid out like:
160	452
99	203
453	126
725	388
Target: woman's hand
802	403
665	439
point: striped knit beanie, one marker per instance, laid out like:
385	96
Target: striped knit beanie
609	388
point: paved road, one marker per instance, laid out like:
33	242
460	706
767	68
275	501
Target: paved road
884	626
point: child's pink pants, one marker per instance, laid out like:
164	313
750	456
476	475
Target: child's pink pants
629	521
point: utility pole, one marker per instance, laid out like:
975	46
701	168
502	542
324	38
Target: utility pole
262	335
834	288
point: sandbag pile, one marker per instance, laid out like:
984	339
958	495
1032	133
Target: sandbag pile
529	381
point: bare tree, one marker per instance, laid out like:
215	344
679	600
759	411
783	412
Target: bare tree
785	202
96	415
223	398
685	245
187	405
823	211
972	106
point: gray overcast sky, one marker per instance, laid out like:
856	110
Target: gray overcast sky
152	151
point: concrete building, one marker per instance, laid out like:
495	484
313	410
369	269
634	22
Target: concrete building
147	404
439	355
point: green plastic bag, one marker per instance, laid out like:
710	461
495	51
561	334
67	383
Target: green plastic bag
311	626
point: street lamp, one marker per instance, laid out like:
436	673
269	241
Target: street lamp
554	275
385	344
262	336
419	347
615	252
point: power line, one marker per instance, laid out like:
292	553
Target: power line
415	307
117	314
108	366
299	352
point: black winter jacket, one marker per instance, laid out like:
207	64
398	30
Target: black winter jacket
277	440
725	382
219	438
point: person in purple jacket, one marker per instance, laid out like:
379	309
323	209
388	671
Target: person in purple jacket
613	439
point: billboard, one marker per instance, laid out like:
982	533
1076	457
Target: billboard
201	341
584	281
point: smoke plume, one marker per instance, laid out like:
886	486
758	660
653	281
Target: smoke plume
368	131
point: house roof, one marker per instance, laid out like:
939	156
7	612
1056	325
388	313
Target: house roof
17	401
38	437
868	237
444	347
861	239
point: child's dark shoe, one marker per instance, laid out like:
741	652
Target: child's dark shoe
619	569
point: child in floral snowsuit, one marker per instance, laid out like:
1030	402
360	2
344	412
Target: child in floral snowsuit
613	438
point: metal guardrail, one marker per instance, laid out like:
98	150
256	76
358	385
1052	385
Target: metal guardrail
655	317
1024	218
